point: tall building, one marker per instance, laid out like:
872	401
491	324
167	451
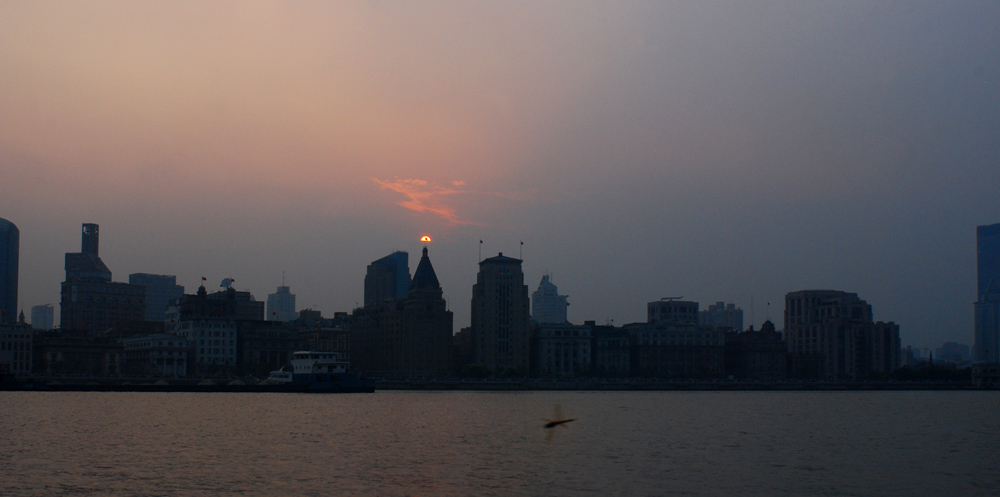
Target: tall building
987	306
161	289
500	315
547	306
831	335
387	279
9	245
723	315
281	305
405	338
90	301
42	316
671	311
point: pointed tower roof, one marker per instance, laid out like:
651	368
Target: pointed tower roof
424	277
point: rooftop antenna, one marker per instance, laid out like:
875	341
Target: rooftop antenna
480	250
520	253
282	277
752	322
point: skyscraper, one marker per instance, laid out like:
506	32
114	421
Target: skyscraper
387	279
9	242
89	299
161	289
547	306
281	305
500	315
987	307
41	317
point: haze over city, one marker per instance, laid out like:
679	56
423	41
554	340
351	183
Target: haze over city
716	151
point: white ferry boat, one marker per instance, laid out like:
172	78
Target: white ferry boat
321	372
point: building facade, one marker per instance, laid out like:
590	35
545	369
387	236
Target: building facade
15	349
161	290
673	312
500	315
757	354
677	351
158	356
281	305
10	240
90	301
987	306
831	335
547	306
561	349
75	353
213	324
611	350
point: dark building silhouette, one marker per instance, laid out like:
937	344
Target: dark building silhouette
265	346
16	348
90	301
405	338
10	238
158	355
561	349
500	315
161	290
987	306
831	335
757	355
387	279
76	352
215	325
611	350
671	344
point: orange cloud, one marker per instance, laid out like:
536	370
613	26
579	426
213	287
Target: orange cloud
424	197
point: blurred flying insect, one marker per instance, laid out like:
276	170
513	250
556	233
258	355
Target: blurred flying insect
557	420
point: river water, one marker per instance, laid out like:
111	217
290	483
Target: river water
493	443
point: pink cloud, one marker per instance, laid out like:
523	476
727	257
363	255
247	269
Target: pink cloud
424	197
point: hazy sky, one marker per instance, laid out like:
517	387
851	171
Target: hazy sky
712	150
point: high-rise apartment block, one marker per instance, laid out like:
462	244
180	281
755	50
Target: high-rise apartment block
500	315
9	246
42	317
987	307
387	279
90	301
161	290
547	306
831	335
281	305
